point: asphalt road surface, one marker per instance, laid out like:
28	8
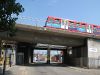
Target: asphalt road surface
50	70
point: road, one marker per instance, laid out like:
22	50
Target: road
50	70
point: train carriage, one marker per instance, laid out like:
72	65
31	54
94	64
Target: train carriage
72	25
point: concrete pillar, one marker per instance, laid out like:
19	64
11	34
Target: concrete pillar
29	54
65	56
93	53
24	48
32	55
80	56
14	52
48	56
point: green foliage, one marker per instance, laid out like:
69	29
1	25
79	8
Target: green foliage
9	10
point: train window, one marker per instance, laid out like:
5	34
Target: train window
50	20
78	25
57	21
64	22
83	27
94	28
71	24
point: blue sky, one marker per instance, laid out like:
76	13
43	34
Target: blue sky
80	10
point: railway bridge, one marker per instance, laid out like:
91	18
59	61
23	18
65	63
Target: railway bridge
79	49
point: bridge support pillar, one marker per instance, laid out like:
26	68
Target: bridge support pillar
48	56
29	54
65	56
79	57
93	53
32	52
24	51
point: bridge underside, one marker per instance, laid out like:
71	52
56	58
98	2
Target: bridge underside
26	43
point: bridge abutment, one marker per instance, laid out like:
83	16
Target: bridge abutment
76	56
93	53
24	53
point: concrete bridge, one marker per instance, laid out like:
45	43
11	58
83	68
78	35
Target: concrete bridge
85	47
31	34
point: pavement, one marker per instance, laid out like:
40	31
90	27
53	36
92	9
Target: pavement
0	69
7	68
50	70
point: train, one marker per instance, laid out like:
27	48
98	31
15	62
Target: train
71	25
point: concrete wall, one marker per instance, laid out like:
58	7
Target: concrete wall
24	53
93	53
80	56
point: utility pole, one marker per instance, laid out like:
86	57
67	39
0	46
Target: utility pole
5	59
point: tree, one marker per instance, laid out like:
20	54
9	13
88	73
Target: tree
9	11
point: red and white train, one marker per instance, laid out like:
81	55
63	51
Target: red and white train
71	25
